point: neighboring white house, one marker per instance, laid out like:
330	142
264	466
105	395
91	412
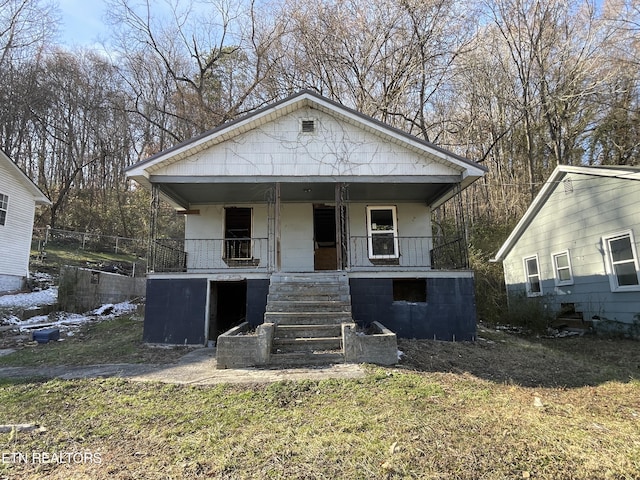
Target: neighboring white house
576	247
18	199
306	185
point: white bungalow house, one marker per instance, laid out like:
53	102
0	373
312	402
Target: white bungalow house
575	250
18	199
304	187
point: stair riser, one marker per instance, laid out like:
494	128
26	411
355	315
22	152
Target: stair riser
305	290
290	279
307	331
308	307
305	345
308	297
294	359
330	318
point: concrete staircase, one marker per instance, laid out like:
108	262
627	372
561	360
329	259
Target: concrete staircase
308	310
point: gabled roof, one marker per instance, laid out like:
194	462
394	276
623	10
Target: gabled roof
141	171
39	197
617	171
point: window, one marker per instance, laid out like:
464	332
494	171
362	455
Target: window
532	272
562	268
4	203
237	233
621	261
412	290
382	226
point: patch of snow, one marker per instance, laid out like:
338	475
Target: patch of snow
115	310
31	299
59	320
66	322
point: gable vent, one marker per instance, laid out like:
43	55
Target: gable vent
308	126
568	186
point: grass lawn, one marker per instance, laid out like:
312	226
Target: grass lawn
117	340
502	408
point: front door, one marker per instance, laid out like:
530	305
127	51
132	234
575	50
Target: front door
324	238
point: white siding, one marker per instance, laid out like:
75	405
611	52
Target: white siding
280	149
15	234
576	222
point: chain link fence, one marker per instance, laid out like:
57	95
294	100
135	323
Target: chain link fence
103	252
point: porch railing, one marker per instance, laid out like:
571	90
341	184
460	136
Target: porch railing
199	255
177	255
433	253
450	255
408	252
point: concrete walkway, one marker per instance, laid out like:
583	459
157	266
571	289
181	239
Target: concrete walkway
195	368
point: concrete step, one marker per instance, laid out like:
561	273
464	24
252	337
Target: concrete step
308	318
310	296
308	306
309	289
311	344
313	278
306	358
308	331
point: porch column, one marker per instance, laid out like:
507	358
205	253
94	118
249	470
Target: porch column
277	227
339	226
153	220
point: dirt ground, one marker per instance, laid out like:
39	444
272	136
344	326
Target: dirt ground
528	360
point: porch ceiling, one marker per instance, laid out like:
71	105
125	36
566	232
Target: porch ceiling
187	194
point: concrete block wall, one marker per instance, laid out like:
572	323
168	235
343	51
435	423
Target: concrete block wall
240	347
82	289
257	291
448	314
379	347
175	311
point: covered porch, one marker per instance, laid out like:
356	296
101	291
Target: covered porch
269	227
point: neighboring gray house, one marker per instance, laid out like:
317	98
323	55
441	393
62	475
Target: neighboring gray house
576	247
290	192
18	199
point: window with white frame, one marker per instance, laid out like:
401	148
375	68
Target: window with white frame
562	268
382	228
532	272
622	261
4	204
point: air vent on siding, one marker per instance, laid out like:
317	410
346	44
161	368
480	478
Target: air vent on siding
568	186
308	126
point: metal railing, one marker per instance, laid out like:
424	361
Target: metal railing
198	255
193	255
450	255
406	252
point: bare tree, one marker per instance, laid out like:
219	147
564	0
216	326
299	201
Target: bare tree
190	67
385	58
24	26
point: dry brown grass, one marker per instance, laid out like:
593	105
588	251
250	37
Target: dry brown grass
502	408
529	361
